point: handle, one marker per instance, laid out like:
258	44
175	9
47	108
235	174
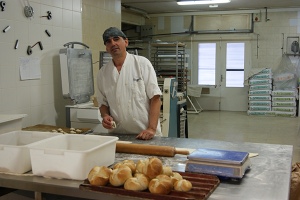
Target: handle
182	151
72	44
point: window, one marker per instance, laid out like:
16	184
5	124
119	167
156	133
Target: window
207	64
235	59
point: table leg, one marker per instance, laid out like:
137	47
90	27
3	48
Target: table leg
37	195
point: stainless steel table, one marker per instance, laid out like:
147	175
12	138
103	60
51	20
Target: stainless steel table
268	179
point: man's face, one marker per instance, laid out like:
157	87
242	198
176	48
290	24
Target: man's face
116	45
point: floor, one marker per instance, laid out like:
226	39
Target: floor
239	127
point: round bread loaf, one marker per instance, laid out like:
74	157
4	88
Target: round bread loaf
99	176
162	184
183	185
175	177
129	163
119	176
167	171
139	182
151	167
141	166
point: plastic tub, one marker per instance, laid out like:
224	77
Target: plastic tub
72	156
11	122
14	151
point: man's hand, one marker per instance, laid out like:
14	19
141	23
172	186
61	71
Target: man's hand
147	134
107	122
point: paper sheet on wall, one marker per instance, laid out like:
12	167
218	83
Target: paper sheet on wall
30	68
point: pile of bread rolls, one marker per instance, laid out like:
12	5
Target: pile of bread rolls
145	174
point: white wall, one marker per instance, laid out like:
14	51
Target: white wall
42	99
265	52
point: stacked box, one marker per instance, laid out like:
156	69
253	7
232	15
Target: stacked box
284	102
260	90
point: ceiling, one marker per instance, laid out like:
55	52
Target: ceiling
170	6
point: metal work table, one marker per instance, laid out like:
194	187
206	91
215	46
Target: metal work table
269	177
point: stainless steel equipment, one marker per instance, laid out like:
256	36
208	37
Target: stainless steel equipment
78	85
76	73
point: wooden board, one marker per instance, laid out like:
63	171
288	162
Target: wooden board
49	128
203	186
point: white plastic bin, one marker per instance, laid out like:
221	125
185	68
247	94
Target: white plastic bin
11	122
72	156
14	151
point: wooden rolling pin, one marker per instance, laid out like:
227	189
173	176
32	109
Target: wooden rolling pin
145	149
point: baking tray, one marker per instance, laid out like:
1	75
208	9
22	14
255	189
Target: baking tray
49	128
203	186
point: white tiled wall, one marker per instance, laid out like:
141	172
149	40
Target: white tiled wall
273	36
42	99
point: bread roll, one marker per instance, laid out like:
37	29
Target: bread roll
129	163
150	167
141	166
175	177
99	176
139	182
162	184
120	175
167	171
183	185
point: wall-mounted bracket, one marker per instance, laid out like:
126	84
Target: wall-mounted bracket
2	5
29	48
49	15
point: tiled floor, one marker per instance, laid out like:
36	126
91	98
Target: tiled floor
239	127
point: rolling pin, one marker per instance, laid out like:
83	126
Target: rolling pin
144	149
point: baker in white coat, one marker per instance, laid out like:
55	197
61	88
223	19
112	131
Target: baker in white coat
128	92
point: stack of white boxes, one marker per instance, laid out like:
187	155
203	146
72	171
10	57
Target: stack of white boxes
260	100
284	102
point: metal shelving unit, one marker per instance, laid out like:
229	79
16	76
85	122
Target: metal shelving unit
170	60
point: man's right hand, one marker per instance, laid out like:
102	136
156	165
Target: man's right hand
107	122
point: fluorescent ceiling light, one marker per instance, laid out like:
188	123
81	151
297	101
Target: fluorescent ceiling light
185	2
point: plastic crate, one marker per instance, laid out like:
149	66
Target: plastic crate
14	149
11	122
72	156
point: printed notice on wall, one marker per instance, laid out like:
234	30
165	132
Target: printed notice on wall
30	68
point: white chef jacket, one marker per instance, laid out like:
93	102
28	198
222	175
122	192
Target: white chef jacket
128	93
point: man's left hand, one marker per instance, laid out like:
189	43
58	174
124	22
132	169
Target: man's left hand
147	134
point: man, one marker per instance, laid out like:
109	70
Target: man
128	93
